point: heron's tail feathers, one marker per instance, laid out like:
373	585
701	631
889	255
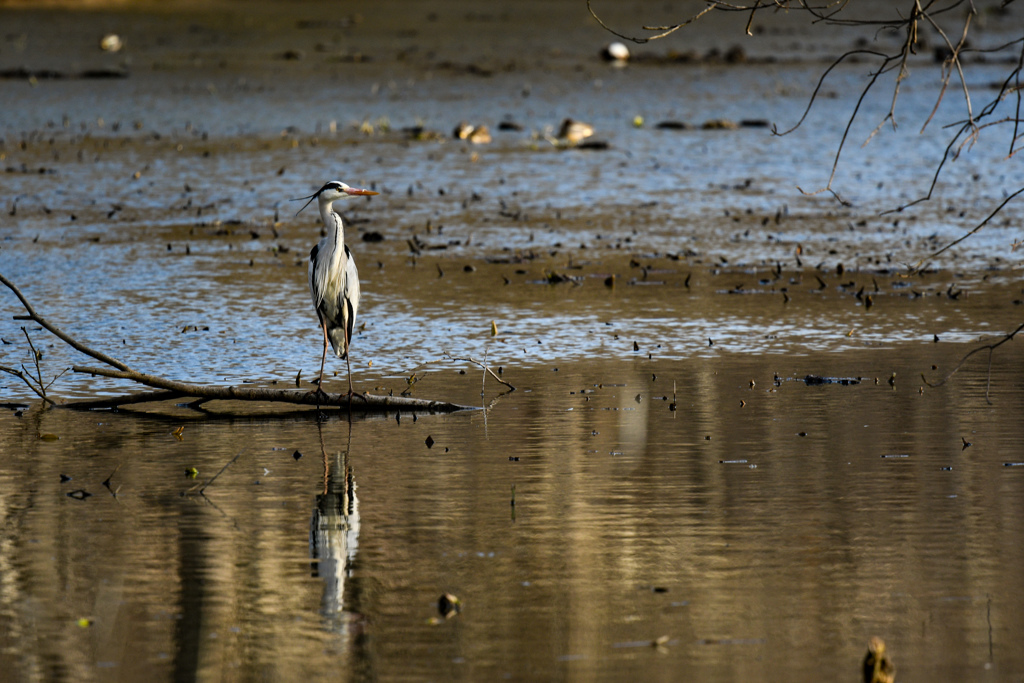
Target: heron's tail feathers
337	337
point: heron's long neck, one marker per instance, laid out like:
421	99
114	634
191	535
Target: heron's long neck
333	224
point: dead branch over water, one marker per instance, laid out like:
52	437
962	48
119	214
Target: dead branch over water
166	389
987	347
910	18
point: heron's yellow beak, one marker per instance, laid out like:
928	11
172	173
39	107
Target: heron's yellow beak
355	191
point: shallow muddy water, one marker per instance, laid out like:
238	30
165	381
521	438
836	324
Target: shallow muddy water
764	529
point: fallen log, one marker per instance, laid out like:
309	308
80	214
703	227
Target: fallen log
167	389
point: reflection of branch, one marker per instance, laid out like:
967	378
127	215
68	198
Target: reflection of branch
987	347
170	389
214	477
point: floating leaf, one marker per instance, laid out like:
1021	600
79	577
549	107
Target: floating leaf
449	605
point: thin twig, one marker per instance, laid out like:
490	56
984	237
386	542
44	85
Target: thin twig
35	358
979	226
987	347
57	332
449	356
666	30
484	366
27	380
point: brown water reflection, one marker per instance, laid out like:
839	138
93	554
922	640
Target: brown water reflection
798	522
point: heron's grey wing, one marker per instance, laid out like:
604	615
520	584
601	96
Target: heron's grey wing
351	282
350	293
317	275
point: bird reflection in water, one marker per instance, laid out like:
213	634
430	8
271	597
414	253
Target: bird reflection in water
334	537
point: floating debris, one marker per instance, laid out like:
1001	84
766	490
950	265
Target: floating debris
720	124
814	380
574	132
878	668
422	134
111	43
615	52
448	605
673	125
478	135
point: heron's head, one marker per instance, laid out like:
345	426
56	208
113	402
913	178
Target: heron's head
332	192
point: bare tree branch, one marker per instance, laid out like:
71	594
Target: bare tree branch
922	13
987	347
915	267
38	391
56	331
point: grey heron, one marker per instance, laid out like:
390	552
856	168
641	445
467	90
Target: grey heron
333	278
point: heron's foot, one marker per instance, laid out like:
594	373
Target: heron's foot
320	394
356	393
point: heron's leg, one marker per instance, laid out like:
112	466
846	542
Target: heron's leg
323	359
348	362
